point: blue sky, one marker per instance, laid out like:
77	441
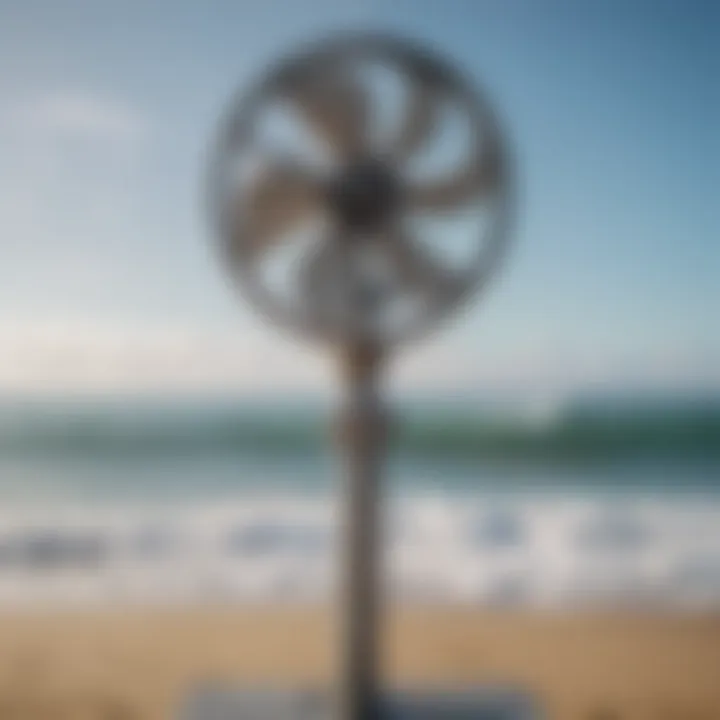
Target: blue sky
107	279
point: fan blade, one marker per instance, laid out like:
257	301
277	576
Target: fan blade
316	270
418	124
281	198
332	287
321	276
417	269
335	105
481	177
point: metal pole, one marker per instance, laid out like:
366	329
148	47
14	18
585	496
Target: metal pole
363	430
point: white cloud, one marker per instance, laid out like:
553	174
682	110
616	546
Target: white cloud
73	169
91	356
76	113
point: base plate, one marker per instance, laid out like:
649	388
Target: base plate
477	703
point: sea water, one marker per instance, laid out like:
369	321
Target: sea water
175	502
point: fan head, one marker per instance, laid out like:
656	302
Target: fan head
332	198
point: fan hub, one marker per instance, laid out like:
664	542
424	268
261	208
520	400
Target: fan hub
364	196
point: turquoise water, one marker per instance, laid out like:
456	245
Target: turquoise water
668	445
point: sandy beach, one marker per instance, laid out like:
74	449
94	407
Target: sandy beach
140	663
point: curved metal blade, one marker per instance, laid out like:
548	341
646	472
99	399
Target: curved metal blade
418	270
336	106
280	198
479	178
336	290
322	281
315	276
418	124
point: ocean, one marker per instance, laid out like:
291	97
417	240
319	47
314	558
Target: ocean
600	502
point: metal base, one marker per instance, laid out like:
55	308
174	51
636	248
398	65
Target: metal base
480	703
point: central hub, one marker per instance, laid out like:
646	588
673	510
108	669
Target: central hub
364	196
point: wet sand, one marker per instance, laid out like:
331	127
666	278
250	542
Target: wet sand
138	664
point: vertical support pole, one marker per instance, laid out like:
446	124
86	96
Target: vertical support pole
363	439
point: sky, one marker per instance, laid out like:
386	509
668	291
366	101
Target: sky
108	279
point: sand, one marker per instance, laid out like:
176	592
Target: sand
138	664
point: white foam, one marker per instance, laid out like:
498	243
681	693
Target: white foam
540	551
